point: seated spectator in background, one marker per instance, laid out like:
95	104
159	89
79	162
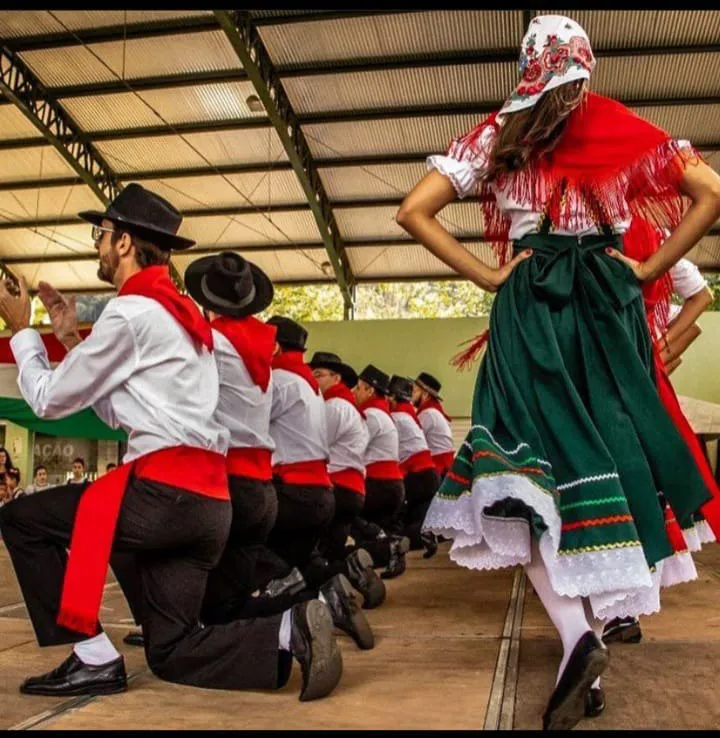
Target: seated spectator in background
110	467
5	460
12	481
4	494
40	481
78	472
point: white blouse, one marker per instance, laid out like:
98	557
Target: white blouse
466	172
687	281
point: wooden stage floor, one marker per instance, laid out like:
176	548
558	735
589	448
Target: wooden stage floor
455	649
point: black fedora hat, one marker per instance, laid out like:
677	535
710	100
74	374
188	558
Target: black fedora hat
326	360
400	387
146	214
290	335
377	379
228	284
428	383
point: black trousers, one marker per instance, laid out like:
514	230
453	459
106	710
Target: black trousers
420	488
246	564
383	502
348	505
177	538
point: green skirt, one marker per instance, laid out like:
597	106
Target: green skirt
569	440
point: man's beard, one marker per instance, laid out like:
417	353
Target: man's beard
105	272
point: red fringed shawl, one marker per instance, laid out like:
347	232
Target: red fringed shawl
613	162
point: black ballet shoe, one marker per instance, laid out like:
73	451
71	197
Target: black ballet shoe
587	662
430	545
594	702
622	630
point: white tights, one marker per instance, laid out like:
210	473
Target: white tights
570	615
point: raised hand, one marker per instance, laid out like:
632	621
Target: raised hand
63	314
15	305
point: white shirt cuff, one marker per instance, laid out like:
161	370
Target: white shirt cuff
26	344
461	173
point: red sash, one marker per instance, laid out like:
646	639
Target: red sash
384	470
304	473
443	462
349	478
254	463
417	462
292	361
193	470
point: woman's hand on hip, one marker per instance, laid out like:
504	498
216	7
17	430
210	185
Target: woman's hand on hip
501	275
639	268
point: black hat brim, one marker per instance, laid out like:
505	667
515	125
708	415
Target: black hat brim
164	239
347	373
429	390
264	290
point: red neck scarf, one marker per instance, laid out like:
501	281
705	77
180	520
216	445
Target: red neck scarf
292	361
254	341
613	162
433	403
406	407
379	403
341	390
155	282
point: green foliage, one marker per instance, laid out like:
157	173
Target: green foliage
713	281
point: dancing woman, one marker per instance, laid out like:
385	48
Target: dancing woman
569	442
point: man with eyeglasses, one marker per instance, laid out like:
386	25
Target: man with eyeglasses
147	366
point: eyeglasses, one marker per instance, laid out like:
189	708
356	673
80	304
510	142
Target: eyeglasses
97	232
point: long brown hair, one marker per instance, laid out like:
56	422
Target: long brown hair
534	131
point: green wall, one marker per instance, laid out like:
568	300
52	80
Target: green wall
411	346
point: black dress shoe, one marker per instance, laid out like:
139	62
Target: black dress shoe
293	583
622	630
365	579
399	546
594	702
567	703
135	638
73	677
345	608
313	644
430	545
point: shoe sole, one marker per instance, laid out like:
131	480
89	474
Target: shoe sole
361	632
364	578
629	634
78	691
568	714
326	664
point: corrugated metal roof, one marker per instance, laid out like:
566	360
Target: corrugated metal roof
706	254
625	29
668	78
20	23
172	152
63	276
225	101
367	138
136	57
36	162
260	188
392	35
398	87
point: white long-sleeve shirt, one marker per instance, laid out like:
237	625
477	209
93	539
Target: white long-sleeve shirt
297	420
410	436
383	443
437	429
347	436
687	281
243	408
138	369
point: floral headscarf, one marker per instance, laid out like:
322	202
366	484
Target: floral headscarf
555	50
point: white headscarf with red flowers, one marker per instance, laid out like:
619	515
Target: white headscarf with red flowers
555	51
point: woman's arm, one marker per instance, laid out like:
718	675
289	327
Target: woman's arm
691	310
417	216
678	347
701	184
